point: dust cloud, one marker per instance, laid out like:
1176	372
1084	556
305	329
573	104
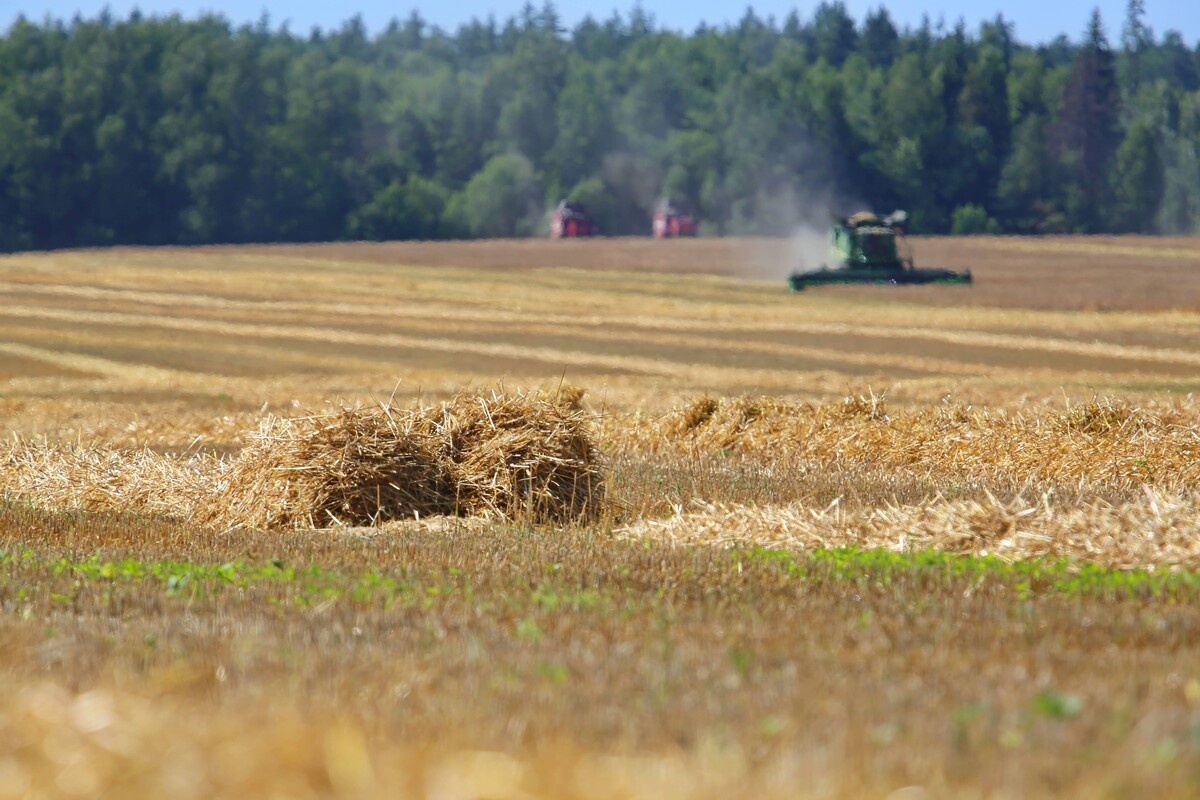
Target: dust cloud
797	227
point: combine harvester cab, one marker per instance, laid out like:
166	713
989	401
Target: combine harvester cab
869	249
672	220
571	221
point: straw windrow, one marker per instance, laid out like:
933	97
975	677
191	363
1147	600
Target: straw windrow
503	455
93	478
1106	445
1157	530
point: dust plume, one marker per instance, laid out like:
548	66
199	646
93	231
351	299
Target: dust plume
634	177
798	229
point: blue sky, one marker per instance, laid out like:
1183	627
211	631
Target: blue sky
1035	21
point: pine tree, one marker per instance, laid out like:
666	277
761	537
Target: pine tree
1088	131
1136	39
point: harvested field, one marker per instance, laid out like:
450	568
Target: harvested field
599	519
436	317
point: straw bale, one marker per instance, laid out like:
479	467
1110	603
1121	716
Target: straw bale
518	457
566	395
1156	530
693	415
352	466
1106	416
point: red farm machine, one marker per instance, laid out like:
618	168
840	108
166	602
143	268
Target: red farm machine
672	220
571	221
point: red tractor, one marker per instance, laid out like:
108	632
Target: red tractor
572	220
671	220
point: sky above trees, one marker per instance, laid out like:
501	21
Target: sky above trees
1035	21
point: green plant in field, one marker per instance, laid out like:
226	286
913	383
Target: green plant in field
741	659
1056	704
528	630
883	569
554	671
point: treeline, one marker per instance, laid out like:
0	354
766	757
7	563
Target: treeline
164	130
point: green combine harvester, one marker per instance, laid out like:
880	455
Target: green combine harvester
868	250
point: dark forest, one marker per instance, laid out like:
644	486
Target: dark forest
172	131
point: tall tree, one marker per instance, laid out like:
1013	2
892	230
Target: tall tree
503	198
983	107
879	41
1089	131
1139	180
150	130
1028	196
1136	40
833	32
586	128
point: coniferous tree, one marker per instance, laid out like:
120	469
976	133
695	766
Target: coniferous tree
879	41
1089	130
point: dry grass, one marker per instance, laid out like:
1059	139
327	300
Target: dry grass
1080	273
1157	531
96	478
511	456
1104	445
125	745
1096	273
233	328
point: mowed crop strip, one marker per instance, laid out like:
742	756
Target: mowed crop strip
201	320
726	541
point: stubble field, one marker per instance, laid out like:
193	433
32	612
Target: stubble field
851	542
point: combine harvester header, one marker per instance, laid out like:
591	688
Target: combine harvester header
867	249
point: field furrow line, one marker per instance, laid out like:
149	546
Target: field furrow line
557	357
606	322
1089	248
93	364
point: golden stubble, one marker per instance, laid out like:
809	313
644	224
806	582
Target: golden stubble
658	649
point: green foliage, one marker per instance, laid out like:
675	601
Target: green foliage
1139	180
163	130
912	573
1089	129
1056	704
502	199
971	220
411	209
885	570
